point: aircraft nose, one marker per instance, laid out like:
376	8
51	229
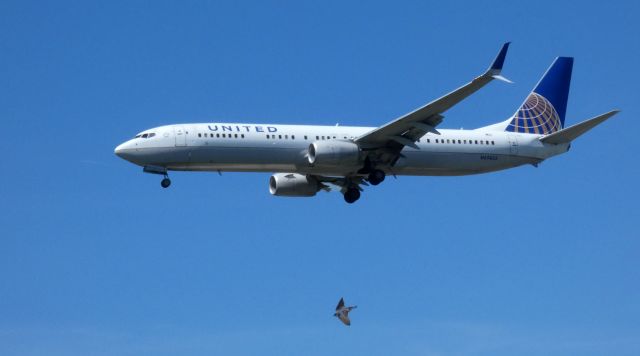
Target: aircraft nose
129	152
119	151
126	151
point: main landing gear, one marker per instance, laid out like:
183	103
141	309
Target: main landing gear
351	195
351	188
376	177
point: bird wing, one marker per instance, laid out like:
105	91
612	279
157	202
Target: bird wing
340	304
344	318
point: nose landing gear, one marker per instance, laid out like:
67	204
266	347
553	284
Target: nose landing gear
166	182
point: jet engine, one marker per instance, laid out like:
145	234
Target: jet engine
334	153
293	185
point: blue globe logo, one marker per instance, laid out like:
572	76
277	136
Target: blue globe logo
536	116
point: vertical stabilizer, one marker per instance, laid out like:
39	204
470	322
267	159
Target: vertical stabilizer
544	110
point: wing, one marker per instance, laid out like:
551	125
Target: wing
340	304
342	182
406	130
345	319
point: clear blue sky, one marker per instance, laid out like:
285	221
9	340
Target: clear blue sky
97	259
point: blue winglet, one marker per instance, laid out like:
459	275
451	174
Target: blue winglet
496	66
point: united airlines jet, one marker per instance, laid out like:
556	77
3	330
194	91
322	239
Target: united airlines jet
306	159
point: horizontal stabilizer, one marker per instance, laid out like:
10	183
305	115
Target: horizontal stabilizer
571	133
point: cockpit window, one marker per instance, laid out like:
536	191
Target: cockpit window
145	135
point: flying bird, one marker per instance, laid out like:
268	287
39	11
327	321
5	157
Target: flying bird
342	312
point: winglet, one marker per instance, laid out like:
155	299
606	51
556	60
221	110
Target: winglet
501	78
496	67
499	61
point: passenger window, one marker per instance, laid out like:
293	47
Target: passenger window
447	140
293	137
428	141
476	142
242	135
286	137
224	135
305	137
317	137
218	135
280	137
236	135
323	137
459	141
493	142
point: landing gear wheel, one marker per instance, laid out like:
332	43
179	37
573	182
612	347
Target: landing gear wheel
376	177
351	195
165	183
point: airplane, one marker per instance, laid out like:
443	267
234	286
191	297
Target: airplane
306	159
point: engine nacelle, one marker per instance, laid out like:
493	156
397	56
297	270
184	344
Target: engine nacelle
293	185
334	153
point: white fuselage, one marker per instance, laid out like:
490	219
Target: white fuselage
283	148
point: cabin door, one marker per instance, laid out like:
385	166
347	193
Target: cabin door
513	144
181	136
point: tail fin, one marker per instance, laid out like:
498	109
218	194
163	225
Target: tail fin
544	109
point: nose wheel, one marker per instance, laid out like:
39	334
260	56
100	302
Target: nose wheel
166	182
